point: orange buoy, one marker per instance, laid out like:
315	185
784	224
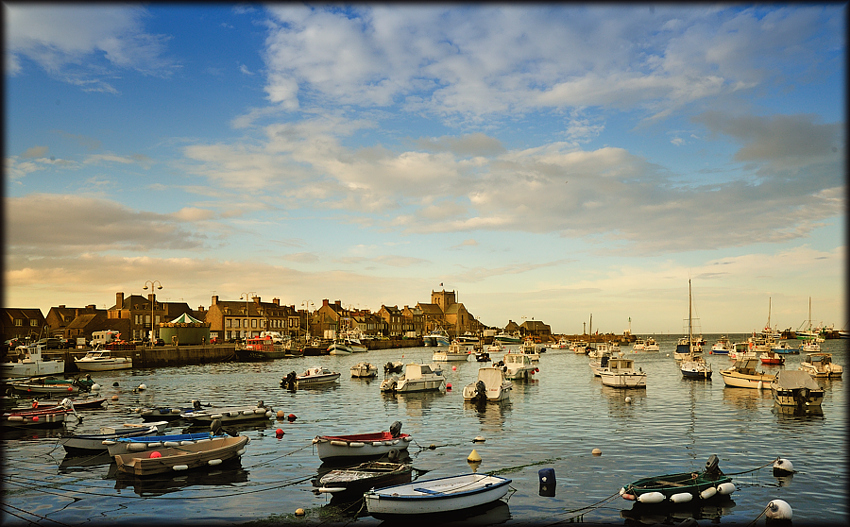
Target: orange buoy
278	433
449	386
35	418
155	454
280	414
291	417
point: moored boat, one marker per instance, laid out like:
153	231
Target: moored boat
355	446
228	414
722	347
820	365
681	487
785	348
651	345
695	367
743	374
771	357
102	360
419	498
29	362
262	348
353	482
621	373
39	417
416	378
316	377
529	348
92	443
796	388
46	386
364	370
185	457
457	352
126	445
517	366
491	386
339	347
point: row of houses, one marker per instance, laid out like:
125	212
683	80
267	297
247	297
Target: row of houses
136	317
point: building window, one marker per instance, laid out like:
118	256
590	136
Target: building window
33	322
253	322
19	322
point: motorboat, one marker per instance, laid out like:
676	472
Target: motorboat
437	337
30	363
796	388
92	443
722	347
563	343
457	352
416	378
597	365
820	365
442	495
580	347
771	357
126	445
506	338
355	345
339	347
364	370
743	374
228	415
742	350
518	366
783	347
184	457
639	344
353	482
102	360
810	346
621	373
393	367
491	386
496	347
651	345
681	487
169	413
529	348
317	377
359	446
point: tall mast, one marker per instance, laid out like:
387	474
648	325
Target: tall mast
690	331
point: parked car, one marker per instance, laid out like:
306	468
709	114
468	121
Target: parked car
159	342
51	343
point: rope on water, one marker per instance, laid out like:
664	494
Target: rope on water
281	456
759	516
753	469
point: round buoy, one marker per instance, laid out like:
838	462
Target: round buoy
155	454
278	433
596	452
95	387
454	368
478	439
782	467
35	418
474	457
70	388
291	417
281	414
778	510
115	383
114	397
449	386
628	399
143	387
432	446
299	512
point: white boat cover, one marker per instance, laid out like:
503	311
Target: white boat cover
492	377
792	379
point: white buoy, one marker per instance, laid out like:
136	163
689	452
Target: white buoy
628	399
726	489
682	497
761	385
95	387
478	439
778	510
651	497
143	387
708	493
782	467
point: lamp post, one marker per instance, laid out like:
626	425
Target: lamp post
306	304
158	285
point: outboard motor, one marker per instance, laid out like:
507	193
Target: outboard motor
480	392
395	429
261	404
215	427
712	467
196	404
288	382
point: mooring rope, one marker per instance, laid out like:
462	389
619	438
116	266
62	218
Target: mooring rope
759	516
753	469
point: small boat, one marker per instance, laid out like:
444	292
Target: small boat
783	347
127	445
438	337
771	357
353	482
355	345
681	487
317	377
364	369
722	347
496	347
651	345
93	443
580	347
46	386
639	344
86	403
695	367
529	348
743	374
457	352
261	348
482	356
102	360
621	373
185	457
491	386
339	347
796	388
29	363
169	413
810	346
355	446
416	378
517	366
453	493
39	417
597	365
820	365
742	350
228	414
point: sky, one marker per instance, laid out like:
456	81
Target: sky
546	162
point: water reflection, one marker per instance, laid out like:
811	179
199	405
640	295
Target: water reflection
617	404
491	415
226	474
745	398
643	514
798	413
417	404
489	514
71	463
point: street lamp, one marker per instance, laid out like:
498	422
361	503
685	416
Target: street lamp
158	286
306	304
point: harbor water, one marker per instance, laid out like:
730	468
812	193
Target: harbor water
553	422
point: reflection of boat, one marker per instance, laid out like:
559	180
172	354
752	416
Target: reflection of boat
820	365
681	487
416	378
185	457
364	369
102	360
491	386
677	514
353	482
743	374
621	373
227	473
72	463
441	495
359	446
796	388
29	363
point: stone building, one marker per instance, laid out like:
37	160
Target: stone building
241	319
21	323
143	314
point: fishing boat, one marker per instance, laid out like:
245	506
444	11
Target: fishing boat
771	357
437	337
355	345
529	348
416	378
810	346
796	388
621	373
517	366
228	415
681	487
38	417
317	377
28	362
580	347
185	457
651	345
169	413
496	347
743	374
339	347
92	443
457	352
453	493
364	370
262	348
358	446
491	386
353	482
722	347
783	347
820	365
506	338
102	360
127	445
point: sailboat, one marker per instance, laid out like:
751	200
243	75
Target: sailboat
808	333
693	366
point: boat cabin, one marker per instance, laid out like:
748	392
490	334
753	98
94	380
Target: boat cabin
617	365
417	371
260	343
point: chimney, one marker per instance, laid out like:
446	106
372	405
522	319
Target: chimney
76	313
91	307
119	300
61	306
256	299
325	302
338	302
276	301
201	309
214	300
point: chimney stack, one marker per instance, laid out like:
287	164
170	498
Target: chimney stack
119	300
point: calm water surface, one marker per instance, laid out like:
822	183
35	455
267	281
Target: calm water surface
554	421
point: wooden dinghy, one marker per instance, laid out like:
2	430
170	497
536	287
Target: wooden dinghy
41	417
435	496
681	487
353	482
364	446
184	457
228	415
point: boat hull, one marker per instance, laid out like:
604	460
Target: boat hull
623	380
50	417
228	415
11	370
110	365
353	482
677	488
359	446
187	457
741	380
93	443
130	445
436	496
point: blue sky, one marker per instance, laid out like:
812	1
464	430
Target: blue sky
546	162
